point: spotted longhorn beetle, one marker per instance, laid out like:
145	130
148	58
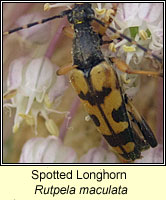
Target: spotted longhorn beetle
98	87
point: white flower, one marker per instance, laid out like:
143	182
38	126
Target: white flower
47	150
33	89
99	155
142	23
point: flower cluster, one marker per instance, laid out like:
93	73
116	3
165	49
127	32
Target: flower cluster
141	23
34	89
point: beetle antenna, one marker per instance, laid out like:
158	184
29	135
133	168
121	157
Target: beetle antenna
36	23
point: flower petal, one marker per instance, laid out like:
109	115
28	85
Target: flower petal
46	150
15	73
99	155
58	88
150	12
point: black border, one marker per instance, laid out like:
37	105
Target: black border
80	164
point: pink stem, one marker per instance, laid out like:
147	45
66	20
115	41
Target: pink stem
55	39
69	118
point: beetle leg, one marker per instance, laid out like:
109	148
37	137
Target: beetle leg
121	65
64	70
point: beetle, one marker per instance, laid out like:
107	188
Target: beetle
98	86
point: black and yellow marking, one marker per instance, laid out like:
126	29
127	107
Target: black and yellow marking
141	123
101	95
